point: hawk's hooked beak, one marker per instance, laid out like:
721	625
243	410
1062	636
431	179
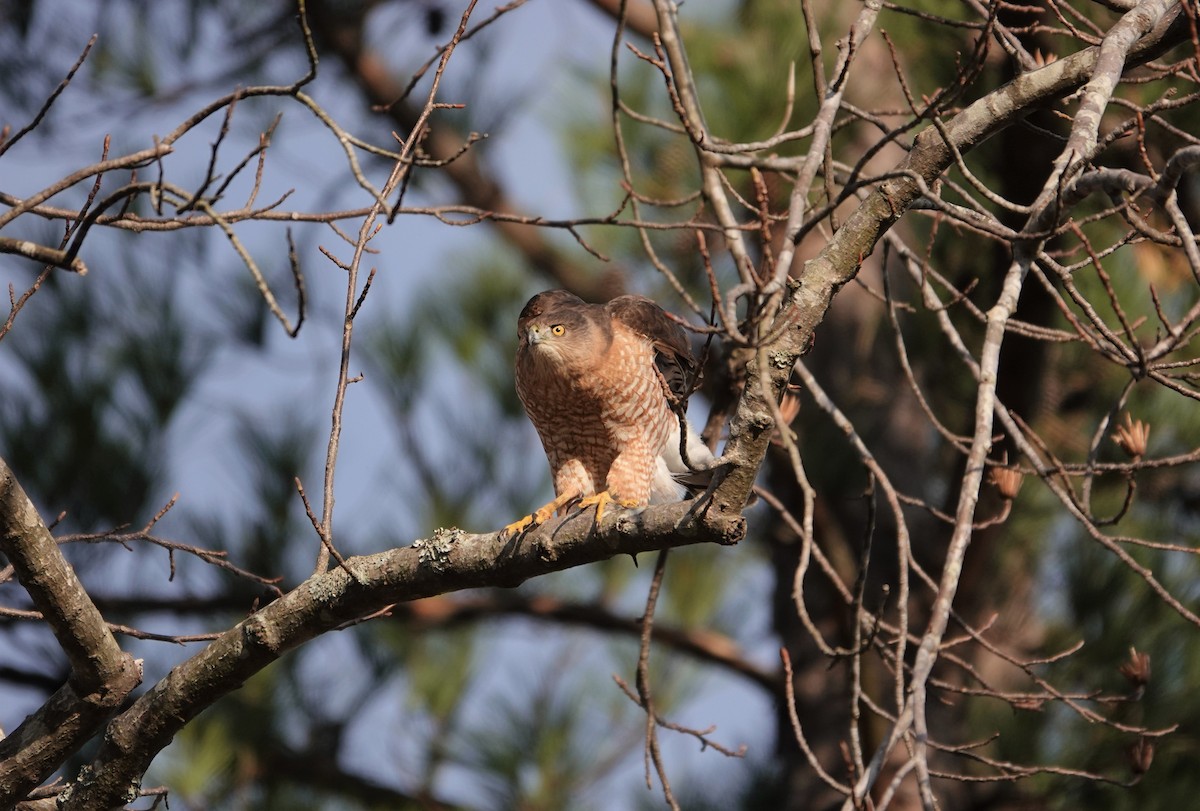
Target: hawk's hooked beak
535	333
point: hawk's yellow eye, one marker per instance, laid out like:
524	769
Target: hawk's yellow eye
558	329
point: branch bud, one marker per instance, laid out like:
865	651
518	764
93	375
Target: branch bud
1007	480
1141	755
1137	669
1132	437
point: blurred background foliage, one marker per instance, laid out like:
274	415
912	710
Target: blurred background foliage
164	372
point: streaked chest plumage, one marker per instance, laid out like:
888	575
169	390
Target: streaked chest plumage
596	410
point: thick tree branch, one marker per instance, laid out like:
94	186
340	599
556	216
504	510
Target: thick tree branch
448	561
102	675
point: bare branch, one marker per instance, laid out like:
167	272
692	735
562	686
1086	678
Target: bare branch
102	675
450	560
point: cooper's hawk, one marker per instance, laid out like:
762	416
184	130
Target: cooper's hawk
601	383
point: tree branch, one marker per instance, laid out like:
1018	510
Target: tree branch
43	253
102	675
702	643
448	561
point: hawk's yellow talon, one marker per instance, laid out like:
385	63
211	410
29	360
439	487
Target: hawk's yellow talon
518	526
538	517
602	500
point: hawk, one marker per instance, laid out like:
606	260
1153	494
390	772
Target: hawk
605	385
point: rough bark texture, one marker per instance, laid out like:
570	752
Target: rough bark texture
448	561
102	675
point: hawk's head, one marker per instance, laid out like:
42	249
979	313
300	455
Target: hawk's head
561	329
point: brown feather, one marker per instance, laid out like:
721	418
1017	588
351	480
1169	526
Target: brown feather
672	352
